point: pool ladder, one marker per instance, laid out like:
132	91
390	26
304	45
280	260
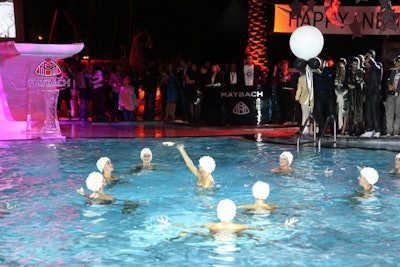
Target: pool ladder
315	141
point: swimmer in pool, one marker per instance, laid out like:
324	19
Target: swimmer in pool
203	173
285	160
367	178
95	183
226	212
146	156
396	165
260	193
106	167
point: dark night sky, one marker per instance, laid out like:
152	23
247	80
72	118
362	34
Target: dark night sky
192	27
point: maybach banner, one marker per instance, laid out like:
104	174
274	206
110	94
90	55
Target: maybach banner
367	17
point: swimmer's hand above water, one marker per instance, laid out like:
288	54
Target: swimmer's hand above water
163	220
291	221
168	143
328	171
80	191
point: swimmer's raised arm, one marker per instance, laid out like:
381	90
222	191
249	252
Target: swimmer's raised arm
186	158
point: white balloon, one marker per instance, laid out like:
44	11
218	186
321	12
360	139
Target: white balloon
306	42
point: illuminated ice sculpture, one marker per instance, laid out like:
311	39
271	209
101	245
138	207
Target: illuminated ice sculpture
29	88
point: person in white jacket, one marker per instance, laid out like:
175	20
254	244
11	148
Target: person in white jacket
307	103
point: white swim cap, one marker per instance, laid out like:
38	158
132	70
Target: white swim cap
207	163
288	155
370	174
94	181
260	190
144	151
397	156
226	210
101	163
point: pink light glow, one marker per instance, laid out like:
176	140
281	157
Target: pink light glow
49	49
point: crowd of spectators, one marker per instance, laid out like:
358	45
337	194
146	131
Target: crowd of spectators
361	95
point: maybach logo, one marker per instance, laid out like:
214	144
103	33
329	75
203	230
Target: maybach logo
48	74
242	94
48	68
241	109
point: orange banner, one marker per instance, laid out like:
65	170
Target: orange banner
366	17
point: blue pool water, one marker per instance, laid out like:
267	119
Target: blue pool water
51	225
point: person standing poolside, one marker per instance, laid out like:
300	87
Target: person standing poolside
95	183
354	81
341	93
392	102
306	101
127	101
226	212
203	173
285	160
106	167
396	165
372	96
367	178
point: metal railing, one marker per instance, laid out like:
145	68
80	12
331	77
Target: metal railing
309	119
332	117
321	135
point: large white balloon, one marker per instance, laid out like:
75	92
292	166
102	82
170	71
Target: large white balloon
306	42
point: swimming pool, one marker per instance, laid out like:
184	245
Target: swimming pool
52	225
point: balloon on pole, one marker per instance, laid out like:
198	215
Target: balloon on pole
306	42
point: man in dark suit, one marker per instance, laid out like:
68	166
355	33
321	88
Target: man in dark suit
233	77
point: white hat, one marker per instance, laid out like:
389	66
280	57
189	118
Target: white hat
260	190
207	163
144	151
95	181
101	163
397	156
370	174
288	155
226	210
